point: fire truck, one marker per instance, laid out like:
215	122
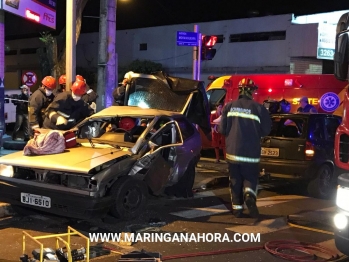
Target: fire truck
341	219
324	91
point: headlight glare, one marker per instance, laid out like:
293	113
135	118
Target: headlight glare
342	198
6	170
340	221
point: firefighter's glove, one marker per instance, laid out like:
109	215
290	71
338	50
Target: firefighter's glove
61	121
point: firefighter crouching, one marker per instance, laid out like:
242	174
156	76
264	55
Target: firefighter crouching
243	123
67	109
39	101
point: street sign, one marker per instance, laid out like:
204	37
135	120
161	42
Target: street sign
187	38
29	78
326	41
39	11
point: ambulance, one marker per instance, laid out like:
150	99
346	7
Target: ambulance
324	91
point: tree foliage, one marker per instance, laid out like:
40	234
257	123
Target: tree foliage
141	67
52	56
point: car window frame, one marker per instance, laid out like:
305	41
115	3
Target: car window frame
326	130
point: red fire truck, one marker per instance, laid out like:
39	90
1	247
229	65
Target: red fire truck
325	92
341	219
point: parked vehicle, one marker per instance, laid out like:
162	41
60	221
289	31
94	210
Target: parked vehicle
10	108
301	146
123	153
341	219
325	92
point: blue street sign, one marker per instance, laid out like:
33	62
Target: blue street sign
187	38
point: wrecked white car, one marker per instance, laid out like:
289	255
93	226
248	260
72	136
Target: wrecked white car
123	154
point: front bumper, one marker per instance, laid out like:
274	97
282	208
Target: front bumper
63	203
289	169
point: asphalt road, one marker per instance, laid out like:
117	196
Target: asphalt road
207	212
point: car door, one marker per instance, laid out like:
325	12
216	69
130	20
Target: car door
159	157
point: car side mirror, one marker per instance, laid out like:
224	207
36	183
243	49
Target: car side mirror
341	58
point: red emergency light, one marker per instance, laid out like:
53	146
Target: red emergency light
32	15
270	90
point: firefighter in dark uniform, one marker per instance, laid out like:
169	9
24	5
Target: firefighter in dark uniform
67	109
39	101
62	83
119	91
243	123
21	113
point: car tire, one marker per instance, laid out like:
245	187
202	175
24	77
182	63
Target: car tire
322	186
184	187
14	145
130	198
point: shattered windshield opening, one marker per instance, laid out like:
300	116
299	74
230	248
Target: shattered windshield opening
153	93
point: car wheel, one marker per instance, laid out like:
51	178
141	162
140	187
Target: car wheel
184	187
322	186
130	198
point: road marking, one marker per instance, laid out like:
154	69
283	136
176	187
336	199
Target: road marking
263	227
202	211
219	209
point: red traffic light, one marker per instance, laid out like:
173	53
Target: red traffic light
209	40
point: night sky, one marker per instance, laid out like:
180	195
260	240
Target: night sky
148	13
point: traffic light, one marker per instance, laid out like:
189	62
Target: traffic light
207	50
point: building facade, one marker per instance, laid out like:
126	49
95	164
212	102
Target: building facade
270	44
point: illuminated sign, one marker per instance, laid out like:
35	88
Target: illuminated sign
326	30
312	101
40	11
33	16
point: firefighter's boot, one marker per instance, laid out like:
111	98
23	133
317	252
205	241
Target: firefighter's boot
250	200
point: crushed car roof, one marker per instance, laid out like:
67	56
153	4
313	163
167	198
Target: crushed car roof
132	111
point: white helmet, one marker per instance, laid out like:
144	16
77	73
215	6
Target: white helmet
24	86
128	75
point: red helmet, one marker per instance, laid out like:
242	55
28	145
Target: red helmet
62	80
80	78
49	82
79	88
247	83
127	123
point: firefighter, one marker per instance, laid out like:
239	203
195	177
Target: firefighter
243	123
62	83
39	101
119	92
67	109
21	113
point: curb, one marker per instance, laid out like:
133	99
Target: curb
6	210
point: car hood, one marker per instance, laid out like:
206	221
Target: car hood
75	160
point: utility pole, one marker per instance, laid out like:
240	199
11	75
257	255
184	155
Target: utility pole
107	66
70	64
195	55
2	75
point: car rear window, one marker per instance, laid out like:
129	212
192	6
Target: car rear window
288	127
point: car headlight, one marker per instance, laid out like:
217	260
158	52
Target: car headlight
340	221
6	170
342	198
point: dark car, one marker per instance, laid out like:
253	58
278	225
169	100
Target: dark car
301	146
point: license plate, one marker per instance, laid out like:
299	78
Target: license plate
270	152
36	200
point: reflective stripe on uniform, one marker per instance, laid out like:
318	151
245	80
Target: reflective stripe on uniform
238	207
250	190
242	158
244	115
